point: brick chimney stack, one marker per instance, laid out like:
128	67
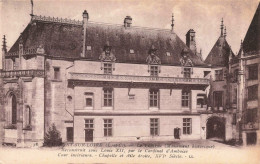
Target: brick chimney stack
128	21
85	22
190	41
4	50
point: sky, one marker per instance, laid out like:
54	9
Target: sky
204	16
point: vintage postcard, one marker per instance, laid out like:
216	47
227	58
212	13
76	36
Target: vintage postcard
113	81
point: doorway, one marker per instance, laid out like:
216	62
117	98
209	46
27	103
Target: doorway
70	134
216	128
88	135
251	138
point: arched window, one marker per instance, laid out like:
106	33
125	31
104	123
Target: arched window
14	109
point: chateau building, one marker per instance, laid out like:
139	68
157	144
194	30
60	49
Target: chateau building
101	82
234	96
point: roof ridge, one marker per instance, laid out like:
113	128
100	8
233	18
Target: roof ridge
56	20
135	27
78	22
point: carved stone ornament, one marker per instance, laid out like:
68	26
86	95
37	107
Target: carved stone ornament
185	60
40	49
152	58
107	55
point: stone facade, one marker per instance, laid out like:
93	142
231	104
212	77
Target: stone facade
104	83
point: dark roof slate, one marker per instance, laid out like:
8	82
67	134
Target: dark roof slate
65	40
251	41
59	40
219	54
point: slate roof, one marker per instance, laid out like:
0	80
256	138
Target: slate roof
251	41
219	54
59	40
65	41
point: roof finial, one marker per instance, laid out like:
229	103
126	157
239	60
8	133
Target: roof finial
32	8
172	21
241	44
225	32
4	43
221	27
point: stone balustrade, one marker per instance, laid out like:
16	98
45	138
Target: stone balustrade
130	78
22	73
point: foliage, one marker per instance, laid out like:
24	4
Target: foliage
52	137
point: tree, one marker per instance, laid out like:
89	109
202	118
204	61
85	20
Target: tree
52	137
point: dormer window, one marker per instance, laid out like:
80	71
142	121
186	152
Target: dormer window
187	72
108	68
88	48
153	62
107	59
154	70
132	51
168	54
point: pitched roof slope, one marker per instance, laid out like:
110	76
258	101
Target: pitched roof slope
219	54
252	39
59	40
138	39
66	40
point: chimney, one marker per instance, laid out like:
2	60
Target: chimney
21	51
190	40
85	21
4	50
128	21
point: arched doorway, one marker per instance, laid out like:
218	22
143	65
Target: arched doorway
216	128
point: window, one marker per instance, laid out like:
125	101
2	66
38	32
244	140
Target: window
252	92
154	97
235	96
186	125
187	72
154	70
89	123
251	115
88	101
108	126
201	100
56	73
27	117
234	119
154	126
235	76
253	72
88	48
168	54
89	96
132	51
14	109
107	68
218	75
218	99
185	98
69	98
108	97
